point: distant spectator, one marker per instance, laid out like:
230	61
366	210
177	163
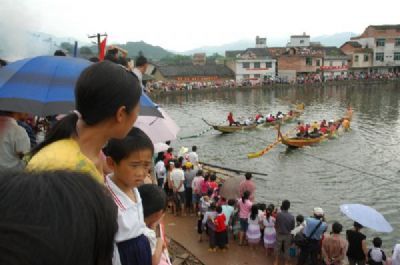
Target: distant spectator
284	225
334	247
357	251
178	188
14	142
193	157
248	185
376	256
140	68
60	53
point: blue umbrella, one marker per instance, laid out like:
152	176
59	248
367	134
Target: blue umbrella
44	85
367	216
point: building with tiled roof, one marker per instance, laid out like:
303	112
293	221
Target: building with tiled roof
191	73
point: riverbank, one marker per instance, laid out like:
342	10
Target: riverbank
159	93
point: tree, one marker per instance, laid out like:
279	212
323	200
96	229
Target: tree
68	47
85	50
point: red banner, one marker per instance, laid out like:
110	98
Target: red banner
102	51
344	67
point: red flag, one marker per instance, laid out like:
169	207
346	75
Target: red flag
102	52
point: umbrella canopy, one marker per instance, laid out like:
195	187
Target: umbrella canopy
158	129
230	188
160	147
44	85
367	216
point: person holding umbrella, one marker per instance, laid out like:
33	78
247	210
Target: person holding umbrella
357	251
107	105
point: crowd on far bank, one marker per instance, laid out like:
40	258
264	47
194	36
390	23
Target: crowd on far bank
304	79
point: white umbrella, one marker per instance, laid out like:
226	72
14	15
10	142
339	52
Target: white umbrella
160	147
367	216
158	129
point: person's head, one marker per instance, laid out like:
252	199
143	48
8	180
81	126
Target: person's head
262	206
3	63
59	53
337	228
246	196
194	148
160	156
106	98
170	165
130	158
285	205
248	176
231	202
207	177
199	173
219	209
177	164
318	212
94	59
141	63
112	55
213	177
62	218
254	212
170	150
189	166
154	201
377	241
357	226
299	219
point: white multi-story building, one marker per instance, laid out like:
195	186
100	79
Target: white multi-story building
299	41
384	40
253	63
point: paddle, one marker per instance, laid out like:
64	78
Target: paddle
237	171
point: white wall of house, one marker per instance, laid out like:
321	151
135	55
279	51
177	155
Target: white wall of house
257	68
299	41
333	67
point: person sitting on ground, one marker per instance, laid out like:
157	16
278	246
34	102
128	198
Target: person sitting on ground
154	202
357	251
334	247
130	159
376	256
62	218
314	230
221	234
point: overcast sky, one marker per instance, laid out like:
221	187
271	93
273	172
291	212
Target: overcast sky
185	24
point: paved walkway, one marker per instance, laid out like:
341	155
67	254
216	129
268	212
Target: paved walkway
184	231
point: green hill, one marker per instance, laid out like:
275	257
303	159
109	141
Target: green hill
150	51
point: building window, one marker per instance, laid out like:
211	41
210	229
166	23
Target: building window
246	76
301	41
397	42
356	58
397	56
318	63
268	65
308	61
246	65
257	75
366	57
380	42
379	56
257	65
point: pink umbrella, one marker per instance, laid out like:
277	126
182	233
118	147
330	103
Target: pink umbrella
158	129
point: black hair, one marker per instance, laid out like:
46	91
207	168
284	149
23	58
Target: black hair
268	213
194	148
262	206
180	160
206	177
123	61
219	209
285	205
63	218
377	241
140	61
254	212
160	157
231	202
248	175
246	196
199	172
154	199
136	140
337	228
3	63
213	177
59	53
300	218
94	59
100	91
357	225
170	149
177	164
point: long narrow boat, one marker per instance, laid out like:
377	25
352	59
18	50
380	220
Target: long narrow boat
285	119
231	129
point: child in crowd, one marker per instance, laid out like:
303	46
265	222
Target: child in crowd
203	207
244	205
376	256
154	202
300	224
253	232
208	221
130	159
228	210
196	187
221	235
269	232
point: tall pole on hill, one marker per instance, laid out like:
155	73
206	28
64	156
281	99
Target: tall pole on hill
98	35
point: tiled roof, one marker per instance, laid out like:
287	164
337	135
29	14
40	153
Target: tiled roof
233	54
334	52
259	52
195	70
385	27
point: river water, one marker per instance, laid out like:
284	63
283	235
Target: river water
299	175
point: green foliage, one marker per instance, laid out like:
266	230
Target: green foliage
177	59
85	50
68	47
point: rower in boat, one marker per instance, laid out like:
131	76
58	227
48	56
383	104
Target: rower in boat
314	125
270	118
279	115
231	120
332	127
346	124
315	133
301	130
323	124
259	118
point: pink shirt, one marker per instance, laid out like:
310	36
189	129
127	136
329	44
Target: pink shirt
249	186
244	208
